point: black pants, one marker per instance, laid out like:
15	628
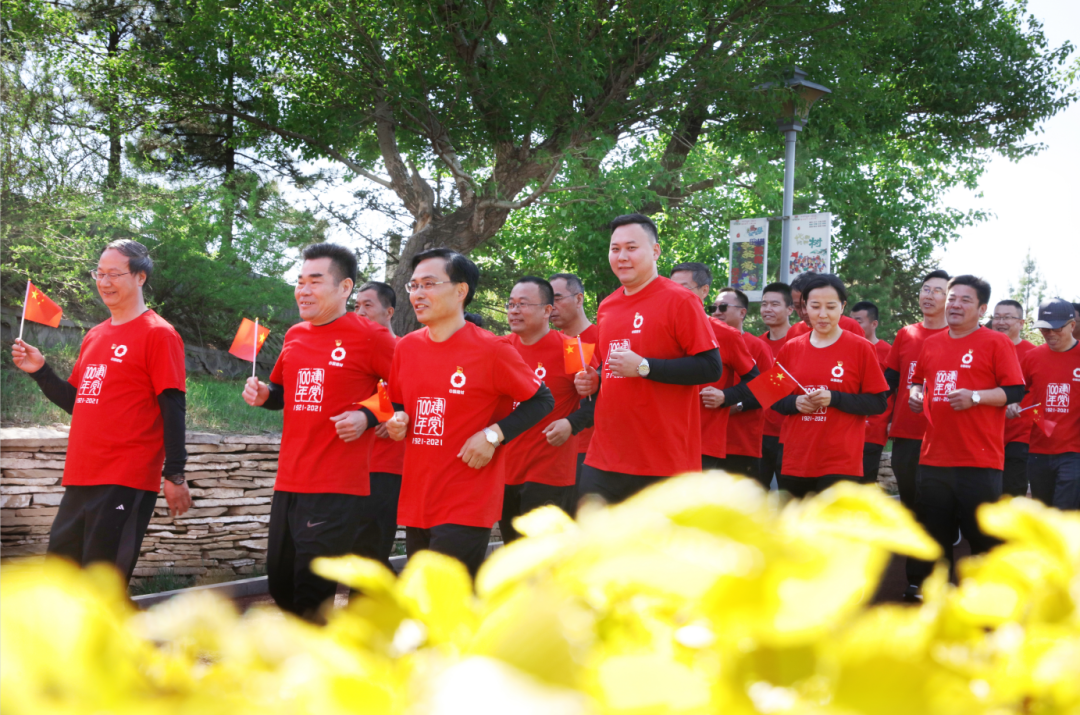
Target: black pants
304	527
467	544
520	499
946	498
1014	480
709	462
613	487
772	455
871	462
738	464
580	466
905	465
1055	479
380	517
103	522
801	486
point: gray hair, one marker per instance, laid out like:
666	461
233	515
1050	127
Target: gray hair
138	256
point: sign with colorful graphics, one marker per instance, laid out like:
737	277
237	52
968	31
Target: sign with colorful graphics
748	255
811	244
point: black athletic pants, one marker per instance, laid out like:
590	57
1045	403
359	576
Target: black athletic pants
709	462
741	464
801	486
905	465
103	522
520	499
467	544
1055	479
946	498
380	516
871	462
772	455
1014	480
613	487
304	527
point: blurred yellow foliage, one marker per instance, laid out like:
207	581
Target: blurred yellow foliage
700	595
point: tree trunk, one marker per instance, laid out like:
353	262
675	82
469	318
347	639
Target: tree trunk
113	175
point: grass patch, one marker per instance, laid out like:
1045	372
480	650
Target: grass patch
164	581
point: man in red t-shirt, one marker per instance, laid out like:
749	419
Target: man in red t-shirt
798	301
377	302
963	380
329	362
907	427
125	396
776	310
656	348
541	462
866	315
746	420
568	317
454	387
1008	319
1052	374
736	363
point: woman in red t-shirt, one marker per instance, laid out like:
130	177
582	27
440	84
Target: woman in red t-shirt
823	442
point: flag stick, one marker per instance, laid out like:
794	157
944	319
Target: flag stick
581	354
805	391
26	300
1029	407
255	344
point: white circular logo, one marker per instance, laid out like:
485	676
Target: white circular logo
541	372
120	350
457	380
1076	373
638	320
967	359
338	354
838	371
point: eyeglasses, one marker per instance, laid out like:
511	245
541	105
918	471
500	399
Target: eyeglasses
413	286
933	291
98	275
1005	318
720	307
520	306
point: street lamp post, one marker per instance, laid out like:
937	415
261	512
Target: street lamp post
796	114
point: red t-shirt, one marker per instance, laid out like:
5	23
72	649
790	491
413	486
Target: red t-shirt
903	358
974	437
387	456
744	428
645	427
849	324
325	370
1054	380
773	419
117	432
452	390
736	361
529	457
829	441
1018	429
590	334
877	427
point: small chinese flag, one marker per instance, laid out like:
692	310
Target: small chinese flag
379	403
243	345
40	309
1047	426
573	360
771	386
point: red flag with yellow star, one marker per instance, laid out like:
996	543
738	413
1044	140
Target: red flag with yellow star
771	386
575	359
379	403
1047	426
40	309
244	344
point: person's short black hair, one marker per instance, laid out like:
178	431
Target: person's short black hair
547	293
572	282
869	307
474	318
459	268
387	297
642	220
982	288
1012	304
782	288
342	260
744	300
799	282
698	271
937	274
1076	307
824	280
138	256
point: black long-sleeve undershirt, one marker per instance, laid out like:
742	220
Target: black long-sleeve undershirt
1013	393
867	403
699	369
524	416
59	391
893	378
741	392
582	418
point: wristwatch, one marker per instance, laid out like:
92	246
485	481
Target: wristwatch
176	479
491	436
643	368
976	397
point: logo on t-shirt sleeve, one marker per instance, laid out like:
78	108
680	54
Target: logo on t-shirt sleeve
310	382
90	386
1057	396
430	420
944	384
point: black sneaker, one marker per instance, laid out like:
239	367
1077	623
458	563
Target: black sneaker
913	594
